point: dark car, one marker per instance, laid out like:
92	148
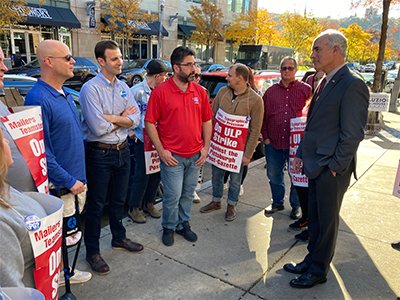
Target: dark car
84	70
134	71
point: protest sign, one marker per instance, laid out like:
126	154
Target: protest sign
26	128
46	244
297	126
152	160
228	141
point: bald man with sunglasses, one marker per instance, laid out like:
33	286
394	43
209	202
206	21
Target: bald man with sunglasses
63	136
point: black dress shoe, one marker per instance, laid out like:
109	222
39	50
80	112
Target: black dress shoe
273	208
396	246
127	244
307	280
299	268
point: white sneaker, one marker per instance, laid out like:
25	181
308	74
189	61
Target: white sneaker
196	198
241	191
79	277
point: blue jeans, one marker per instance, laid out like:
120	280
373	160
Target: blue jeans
218	185
142	187
107	173
179	183
276	161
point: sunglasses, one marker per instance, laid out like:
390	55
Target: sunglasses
67	57
287	68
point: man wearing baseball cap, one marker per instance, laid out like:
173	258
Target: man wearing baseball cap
142	187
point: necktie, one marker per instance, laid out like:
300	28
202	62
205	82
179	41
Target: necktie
316	96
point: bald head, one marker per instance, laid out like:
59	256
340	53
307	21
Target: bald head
56	62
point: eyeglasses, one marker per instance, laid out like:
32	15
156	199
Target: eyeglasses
190	65
67	57
287	68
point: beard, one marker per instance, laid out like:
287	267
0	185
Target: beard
186	78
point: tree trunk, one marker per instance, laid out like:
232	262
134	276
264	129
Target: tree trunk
375	121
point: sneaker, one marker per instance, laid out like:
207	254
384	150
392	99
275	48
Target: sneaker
127	244
152	211
137	216
98	265
273	208
396	246
230	214
73	239
78	277
196	198
241	190
295	214
187	233
168	237
213	205
298	225
302	236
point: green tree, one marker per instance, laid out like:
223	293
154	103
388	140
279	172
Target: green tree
124	19
12	12
208	21
255	27
299	32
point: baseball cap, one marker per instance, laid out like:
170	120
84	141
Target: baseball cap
156	66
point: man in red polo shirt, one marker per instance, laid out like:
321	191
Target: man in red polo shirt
178	122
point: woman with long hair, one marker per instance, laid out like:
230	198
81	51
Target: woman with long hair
17	260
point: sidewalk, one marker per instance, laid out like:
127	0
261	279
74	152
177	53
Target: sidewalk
243	259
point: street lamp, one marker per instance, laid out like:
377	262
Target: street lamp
159	48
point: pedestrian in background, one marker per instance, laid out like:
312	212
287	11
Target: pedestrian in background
283	101
109	110
327	152
142	187
178	122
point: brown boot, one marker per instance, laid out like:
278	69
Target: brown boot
213	205
230	214
137	216
152	211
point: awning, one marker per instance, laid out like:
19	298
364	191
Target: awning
186	30
143	27
49	16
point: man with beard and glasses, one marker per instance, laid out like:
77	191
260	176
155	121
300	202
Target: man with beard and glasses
178	122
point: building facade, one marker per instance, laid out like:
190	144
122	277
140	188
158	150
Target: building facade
76	23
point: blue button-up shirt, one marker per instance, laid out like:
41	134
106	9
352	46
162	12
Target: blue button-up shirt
141	92
98	97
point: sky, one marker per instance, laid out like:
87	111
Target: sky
319	8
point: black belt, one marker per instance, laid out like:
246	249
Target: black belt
119	146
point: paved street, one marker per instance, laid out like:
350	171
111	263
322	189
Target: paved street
243	259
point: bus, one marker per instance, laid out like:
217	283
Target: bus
262	57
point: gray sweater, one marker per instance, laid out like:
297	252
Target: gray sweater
16	255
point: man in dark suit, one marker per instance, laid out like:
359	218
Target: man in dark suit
327	152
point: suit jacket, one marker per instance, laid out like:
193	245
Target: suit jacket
335	125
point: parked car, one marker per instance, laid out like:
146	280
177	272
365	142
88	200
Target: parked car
207	67
391	76
368	78
84	70
369	68
23	84
134	71
214	81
